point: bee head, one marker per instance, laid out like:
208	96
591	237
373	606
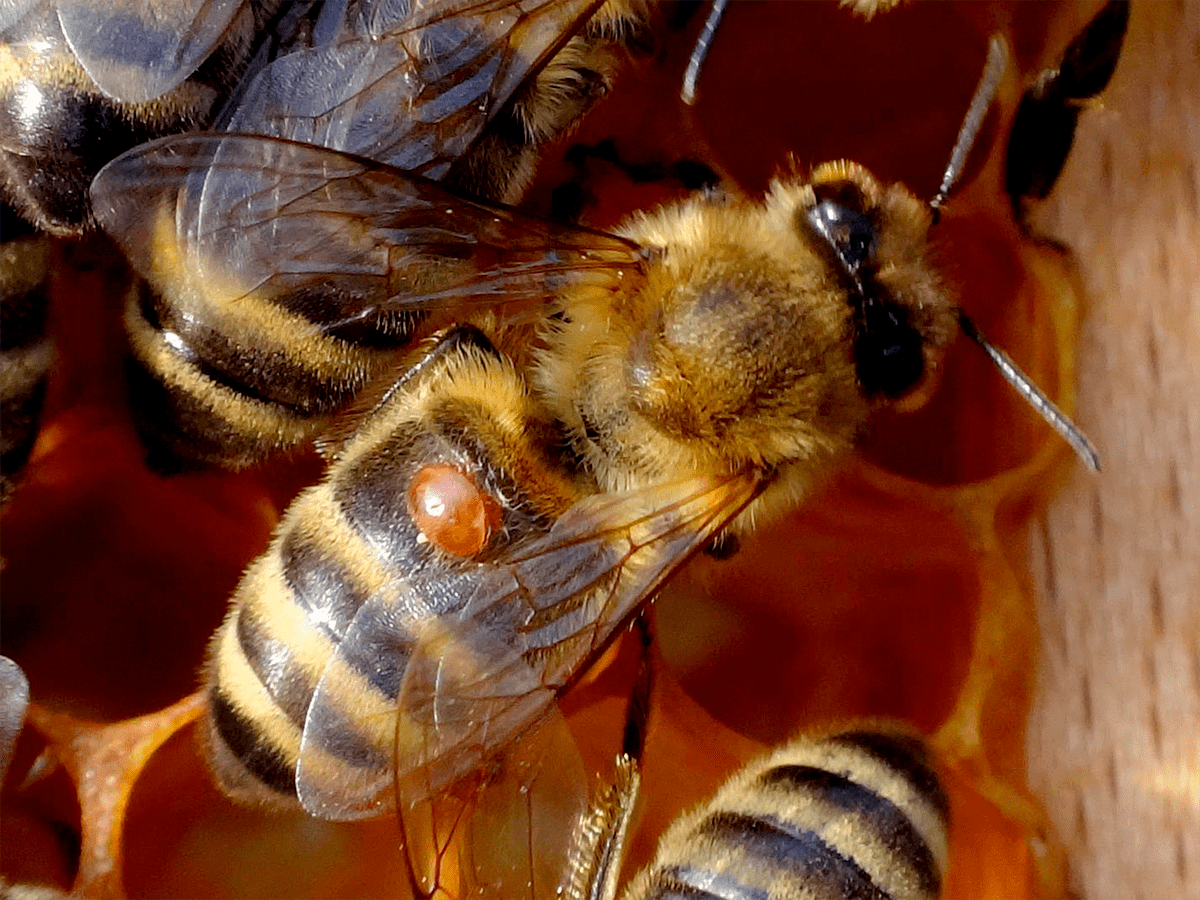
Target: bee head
874	239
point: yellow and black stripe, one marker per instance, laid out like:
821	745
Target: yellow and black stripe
58	128
323	624
856	814
262	374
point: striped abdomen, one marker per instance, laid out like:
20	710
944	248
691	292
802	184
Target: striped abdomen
854	815
306	671
231	383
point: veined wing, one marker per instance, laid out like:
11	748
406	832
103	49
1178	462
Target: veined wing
211	220
506	830
507	636
476	679
408	82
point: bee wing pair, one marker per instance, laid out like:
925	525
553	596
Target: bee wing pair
445	65
335	238
246	215
475	681
328	74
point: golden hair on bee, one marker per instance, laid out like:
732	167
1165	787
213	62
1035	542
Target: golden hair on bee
515	495
850	812
500	165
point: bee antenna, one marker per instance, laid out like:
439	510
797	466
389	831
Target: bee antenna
700	51
985	92
1043	405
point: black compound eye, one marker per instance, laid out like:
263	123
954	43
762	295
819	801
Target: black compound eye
849	233
888	353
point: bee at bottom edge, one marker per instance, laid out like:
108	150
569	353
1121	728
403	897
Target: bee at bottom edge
856	813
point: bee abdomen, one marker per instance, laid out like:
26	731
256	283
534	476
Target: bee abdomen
290	614
855	815
307	671
204	397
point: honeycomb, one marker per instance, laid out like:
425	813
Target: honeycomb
904	589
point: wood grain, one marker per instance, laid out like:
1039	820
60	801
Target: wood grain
1114	737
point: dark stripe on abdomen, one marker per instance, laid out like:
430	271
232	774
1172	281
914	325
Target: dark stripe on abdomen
887	822
905	755
259	372
274	664
775	845
320	585
243	738
333	732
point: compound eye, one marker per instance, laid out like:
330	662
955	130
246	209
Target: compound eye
850	233
888	351
451	511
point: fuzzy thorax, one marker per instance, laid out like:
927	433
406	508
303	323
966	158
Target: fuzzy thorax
737	350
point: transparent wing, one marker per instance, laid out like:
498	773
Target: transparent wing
20	16
408	82
505	831
136	50
479	677
460	663
212	219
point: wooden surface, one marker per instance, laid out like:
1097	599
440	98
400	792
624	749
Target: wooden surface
1114	738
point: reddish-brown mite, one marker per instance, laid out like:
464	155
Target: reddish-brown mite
451	511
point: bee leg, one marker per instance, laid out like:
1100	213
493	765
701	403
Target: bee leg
598	846
1044	127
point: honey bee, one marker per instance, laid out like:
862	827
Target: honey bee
852	813
450	90
412	85
490	517
1044	127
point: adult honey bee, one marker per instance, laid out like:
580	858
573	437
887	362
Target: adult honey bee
490	517
410	84
452	90
449	88
855	812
